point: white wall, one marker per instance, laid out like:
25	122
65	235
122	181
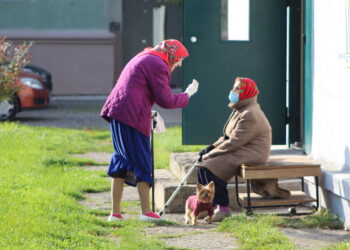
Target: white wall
331	90
331	105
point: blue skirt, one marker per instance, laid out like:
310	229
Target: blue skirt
132	158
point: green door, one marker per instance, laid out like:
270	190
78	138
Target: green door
216	62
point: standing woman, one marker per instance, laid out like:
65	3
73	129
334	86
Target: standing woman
144	81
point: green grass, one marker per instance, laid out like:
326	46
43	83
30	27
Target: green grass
341	246
262	231
39	188
164	144
256	232
131	235
41	184
171	236
322	219
168	142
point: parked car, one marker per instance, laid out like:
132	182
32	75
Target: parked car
33	93
41	72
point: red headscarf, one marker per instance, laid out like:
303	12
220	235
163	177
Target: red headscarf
170	51
248	88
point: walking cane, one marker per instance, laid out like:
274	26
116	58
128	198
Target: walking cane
179	186
154	123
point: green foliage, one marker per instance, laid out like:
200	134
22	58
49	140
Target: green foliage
12	59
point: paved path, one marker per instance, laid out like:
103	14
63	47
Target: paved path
181	235
81	112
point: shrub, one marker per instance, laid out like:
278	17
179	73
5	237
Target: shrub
12	59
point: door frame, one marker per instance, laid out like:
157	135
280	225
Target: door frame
307	74
295	111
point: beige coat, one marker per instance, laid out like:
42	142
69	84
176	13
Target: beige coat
249	136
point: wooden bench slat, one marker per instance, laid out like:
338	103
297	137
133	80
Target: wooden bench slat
276	165
279	173
297	197
279	170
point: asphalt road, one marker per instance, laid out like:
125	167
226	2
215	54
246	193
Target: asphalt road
81	112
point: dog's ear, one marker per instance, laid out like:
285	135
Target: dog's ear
199	187
211	186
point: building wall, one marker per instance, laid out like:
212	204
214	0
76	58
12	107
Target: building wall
81	62
331	102
331	120
72	40
59	15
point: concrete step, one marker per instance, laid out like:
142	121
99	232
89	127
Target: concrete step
166	183
181	163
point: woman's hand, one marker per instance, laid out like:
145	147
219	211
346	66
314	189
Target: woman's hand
206	150
205	157
192	88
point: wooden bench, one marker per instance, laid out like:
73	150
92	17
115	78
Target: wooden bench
277	168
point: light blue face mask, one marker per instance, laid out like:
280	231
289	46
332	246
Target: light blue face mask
233	97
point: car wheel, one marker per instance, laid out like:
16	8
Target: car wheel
9	109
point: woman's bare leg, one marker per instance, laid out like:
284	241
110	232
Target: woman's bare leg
143	189
117	193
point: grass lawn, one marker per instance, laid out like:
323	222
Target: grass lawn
261	231
168	142
39	188
164	144
41	184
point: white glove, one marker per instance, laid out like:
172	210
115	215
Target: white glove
192	88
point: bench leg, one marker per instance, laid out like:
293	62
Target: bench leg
249	208
302	184
237	192
317	194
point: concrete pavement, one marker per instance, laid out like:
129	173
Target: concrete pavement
82	112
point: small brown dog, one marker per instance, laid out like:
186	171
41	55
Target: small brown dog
200	202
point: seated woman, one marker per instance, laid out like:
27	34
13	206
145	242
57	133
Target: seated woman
247	139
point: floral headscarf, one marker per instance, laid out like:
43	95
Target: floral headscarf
248	88
170	51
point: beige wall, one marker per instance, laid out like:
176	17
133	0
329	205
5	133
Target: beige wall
81	62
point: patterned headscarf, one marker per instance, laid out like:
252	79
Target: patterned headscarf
170	51
248	88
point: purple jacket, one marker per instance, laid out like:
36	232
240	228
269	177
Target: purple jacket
145	80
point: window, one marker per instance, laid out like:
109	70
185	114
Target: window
235	20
